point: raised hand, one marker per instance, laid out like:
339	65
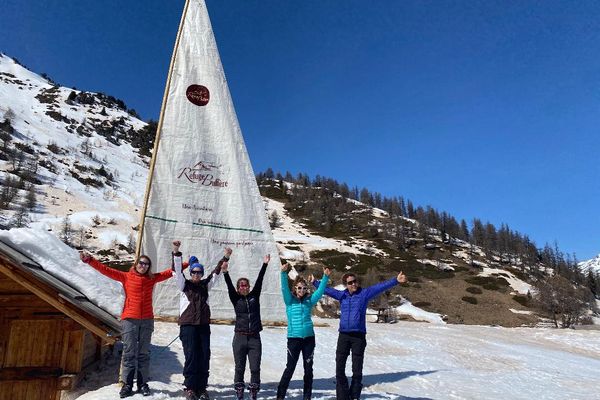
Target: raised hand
285	267
267	259
228	252
176	244
326	271
401	277
85	256
311	278
224	266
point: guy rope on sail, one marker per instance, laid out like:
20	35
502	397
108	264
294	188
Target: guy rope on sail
202	189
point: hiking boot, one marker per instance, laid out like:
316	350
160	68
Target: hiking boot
239	390
190	394
253	388
204	396
126	391
144	390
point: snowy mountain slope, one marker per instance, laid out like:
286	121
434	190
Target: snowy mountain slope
80	154
592	264
78	147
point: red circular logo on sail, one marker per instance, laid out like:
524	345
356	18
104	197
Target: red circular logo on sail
198	95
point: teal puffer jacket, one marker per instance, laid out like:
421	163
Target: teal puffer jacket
298	311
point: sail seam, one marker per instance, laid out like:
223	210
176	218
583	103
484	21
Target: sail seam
208	225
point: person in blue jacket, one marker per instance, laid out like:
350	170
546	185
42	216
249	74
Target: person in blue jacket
301	335
354	301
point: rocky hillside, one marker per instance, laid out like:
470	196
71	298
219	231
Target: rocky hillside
71	161
449	277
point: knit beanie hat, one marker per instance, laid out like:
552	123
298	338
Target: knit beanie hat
197	267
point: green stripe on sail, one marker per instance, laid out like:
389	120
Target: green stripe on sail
161	219
208	225
228	228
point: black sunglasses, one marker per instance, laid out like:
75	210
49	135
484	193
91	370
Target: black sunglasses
196	272
143	263
352	282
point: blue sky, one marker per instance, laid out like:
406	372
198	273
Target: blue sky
483	109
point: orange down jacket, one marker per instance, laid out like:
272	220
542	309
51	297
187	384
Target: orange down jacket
138	288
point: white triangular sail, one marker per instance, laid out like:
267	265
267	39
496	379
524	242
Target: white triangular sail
202	189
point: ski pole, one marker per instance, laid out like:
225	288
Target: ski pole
165	347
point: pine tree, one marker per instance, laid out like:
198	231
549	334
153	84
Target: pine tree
274	220
9	115
593	283
131	243
31	198
410	210
20	218
66	230
365	196
9	191
81	236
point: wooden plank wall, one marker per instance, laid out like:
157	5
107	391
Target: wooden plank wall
37	343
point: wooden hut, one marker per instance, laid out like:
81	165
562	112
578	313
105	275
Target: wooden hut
49	331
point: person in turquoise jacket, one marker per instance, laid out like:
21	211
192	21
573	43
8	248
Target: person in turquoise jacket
301	334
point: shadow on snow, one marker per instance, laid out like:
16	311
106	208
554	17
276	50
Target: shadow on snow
324	388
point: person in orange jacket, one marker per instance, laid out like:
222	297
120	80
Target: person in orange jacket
137	318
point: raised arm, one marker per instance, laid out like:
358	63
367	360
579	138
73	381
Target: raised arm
285	288
167	273
233	294
321	289
376	290
213	278
163	275
329	291
178	266
261	275
103	269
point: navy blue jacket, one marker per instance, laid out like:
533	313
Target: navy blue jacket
353	307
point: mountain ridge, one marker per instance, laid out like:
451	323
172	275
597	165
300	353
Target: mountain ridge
75	163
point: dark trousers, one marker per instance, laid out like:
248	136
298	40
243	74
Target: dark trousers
355	342
295	346
136	335
247	347
196	348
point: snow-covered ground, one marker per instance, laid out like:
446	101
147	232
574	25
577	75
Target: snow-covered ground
293	234
515	283
403	361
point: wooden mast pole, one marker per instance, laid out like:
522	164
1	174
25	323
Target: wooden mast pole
158	132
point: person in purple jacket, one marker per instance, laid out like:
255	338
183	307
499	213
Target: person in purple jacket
353	329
